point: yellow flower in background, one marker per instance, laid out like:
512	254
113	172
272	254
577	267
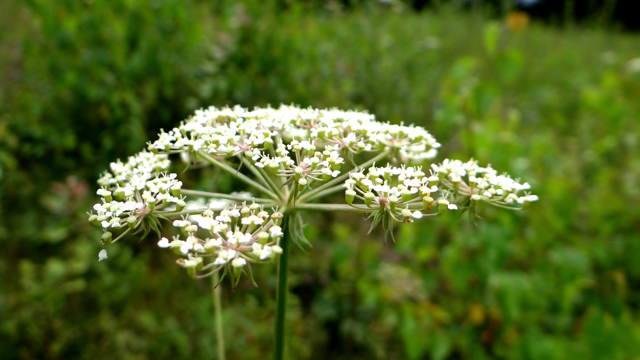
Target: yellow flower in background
517	20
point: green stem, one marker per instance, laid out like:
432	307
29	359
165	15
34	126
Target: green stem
199	211
217	310
283	289
261	174
238	175
223	196
335	207
325	192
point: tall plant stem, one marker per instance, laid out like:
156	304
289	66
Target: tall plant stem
283	289
217	311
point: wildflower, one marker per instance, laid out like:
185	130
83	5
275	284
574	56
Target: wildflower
294	157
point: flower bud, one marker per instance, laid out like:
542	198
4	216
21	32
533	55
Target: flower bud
254	207
175	190
297	173
393	200
263	237
277	218
368	198
443	205
175	246
387	174
302	183
210	247
190	265
238	262
257	251
106	238
107	195
151	202
268	142
406	195
350	196
274	167
119	194
427	201
180	205
314	162
131	221
276	249
94	219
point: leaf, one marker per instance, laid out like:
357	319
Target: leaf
249	273
154	226
377	216
296	227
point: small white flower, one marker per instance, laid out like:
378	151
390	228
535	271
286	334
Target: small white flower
164	243
185	247
276	231
266	252
238	262
102	255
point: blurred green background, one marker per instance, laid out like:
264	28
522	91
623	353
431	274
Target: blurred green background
86	82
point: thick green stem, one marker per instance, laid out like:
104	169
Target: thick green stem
283	289
217	310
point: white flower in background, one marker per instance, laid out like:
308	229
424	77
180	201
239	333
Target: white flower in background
102	255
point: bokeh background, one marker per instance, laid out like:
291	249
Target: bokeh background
552	98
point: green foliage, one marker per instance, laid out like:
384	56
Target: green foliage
558	281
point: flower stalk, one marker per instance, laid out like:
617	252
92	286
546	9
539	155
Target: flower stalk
217	314
282	291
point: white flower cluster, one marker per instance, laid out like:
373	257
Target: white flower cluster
137	170
404	191
234	238
133	190
287	150
235	131
483	184
395	190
